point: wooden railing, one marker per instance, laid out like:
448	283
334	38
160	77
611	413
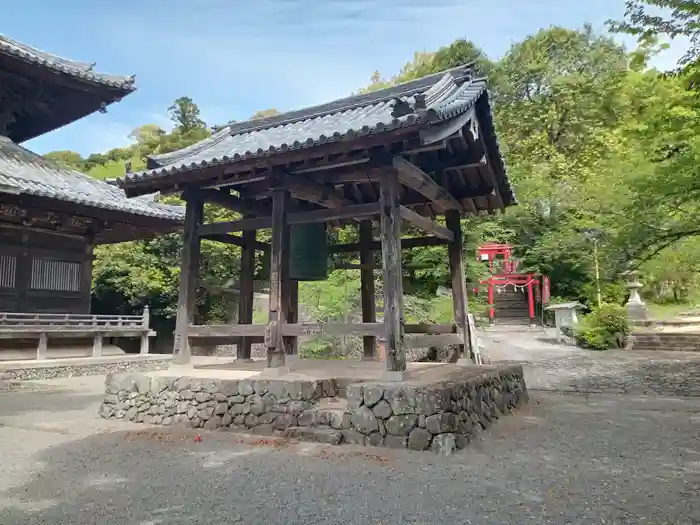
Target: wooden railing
41	326
417	335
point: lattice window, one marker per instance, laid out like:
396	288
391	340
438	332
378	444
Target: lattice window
57	276
8	270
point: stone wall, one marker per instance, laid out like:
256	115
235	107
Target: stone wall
442	416
47	370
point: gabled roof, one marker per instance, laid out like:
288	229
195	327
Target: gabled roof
25	172
79	70
41	92
446	95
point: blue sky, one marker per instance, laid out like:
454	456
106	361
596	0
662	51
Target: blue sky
234	60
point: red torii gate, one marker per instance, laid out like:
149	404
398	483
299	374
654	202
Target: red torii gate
505	273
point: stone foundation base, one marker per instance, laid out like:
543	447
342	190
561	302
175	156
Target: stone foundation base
436	411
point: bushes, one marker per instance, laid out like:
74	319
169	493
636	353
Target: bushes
605	327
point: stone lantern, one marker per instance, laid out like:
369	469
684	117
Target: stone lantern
636	309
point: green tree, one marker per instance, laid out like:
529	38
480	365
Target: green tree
265	113
650	19
67	159
185	114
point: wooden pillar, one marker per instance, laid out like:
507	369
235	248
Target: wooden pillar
390	223
42	347
459	284
146	325
369	311
247	291
279	265
189	273
530	300
291	294
97	345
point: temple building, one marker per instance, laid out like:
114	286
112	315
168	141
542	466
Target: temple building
391	162
52	217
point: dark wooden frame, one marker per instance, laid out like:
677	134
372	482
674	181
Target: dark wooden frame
393	180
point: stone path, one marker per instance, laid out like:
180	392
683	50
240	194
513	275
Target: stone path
567	368
580	459
563	459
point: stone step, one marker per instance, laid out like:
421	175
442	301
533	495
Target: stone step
669	341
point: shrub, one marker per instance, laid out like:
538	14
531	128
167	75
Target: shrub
605	327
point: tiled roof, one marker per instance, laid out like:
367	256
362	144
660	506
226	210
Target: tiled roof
79	70
22	171
447	94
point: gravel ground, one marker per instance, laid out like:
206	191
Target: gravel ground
562	459
565	368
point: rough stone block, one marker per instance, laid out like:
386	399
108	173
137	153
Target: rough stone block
363	420
372	394
429	401
401	425
308	418
205	413
257	406
419	439
297	407
213	422
329	388
443	444
267	418
401	399
374	440
354	395
440	423
396	441
317	435
282	421
235	400
353	437
382	410
246	388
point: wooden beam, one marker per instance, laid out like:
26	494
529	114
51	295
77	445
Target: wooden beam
425	224
390	222
459	285
430	329
189	271
426	341
306	329
305	188
369	310
305	217
236	240
227	330
412	176
233	203
406	243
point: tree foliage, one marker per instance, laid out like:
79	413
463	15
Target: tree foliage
593	138
650	19
185	114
